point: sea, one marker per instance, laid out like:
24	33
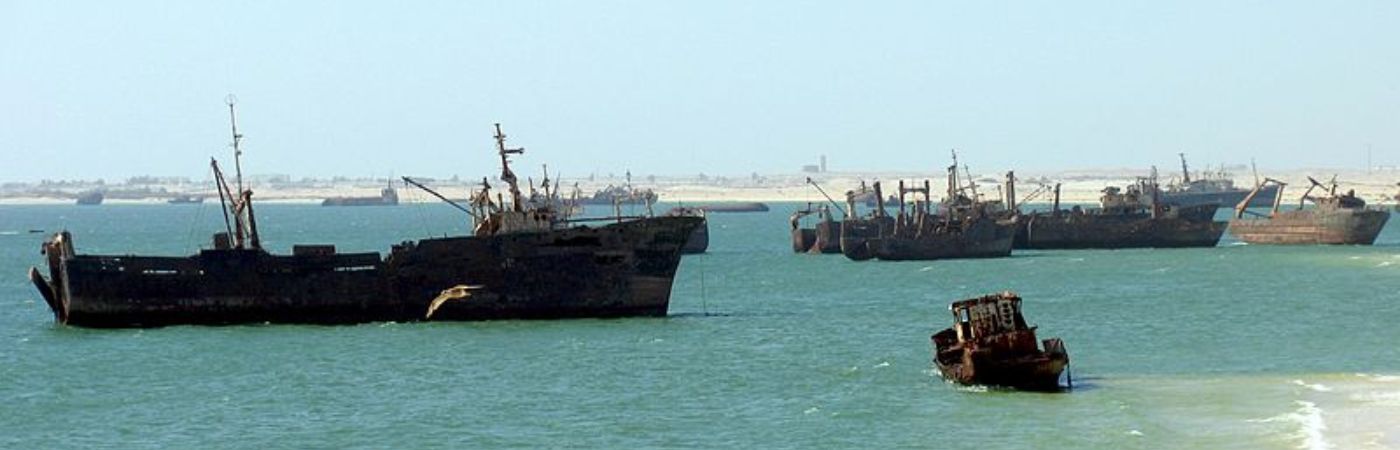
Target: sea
1237	346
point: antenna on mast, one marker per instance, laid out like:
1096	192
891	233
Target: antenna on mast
231	100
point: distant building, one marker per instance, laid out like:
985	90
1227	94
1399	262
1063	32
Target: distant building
811	168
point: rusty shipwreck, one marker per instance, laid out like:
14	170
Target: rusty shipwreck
991	344
1127	218
965	226
522	261
823	236
699	241
1334	219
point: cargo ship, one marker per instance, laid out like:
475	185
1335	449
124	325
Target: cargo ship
520	262
965	226
388	196
1333	219
699	241
1210	187
1128	218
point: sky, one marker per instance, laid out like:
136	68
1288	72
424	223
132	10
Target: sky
94	89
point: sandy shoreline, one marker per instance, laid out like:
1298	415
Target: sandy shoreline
1077	186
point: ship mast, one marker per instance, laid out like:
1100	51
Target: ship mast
245	226
230	100
1185	174
506	175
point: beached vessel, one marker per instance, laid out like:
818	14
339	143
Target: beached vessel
388	196
520	262
1335	219
991	344
1126	219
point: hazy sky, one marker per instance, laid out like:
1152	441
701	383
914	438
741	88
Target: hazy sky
112	89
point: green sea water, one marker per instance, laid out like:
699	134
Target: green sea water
1237	346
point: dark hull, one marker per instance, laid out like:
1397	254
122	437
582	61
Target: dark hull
699	241
1230	198
823	238
90	199
1192	228
735	207
359	201
991	362
1311	227
856	234
1039	372
986	238
616	270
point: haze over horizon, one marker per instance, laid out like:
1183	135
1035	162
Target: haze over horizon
97	90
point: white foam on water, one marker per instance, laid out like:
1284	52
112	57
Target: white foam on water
1314	387
1134	433
812	410
1379	377
1308	417
925	268
882	364
976	388
8	233
1384	263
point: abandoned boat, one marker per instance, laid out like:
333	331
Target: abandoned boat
966	226
1125	219
990	344
388	196
824	236
699	240
1209	187
1334	219
521	262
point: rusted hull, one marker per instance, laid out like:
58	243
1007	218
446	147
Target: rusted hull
1010	360
856	234
985	238
1311	227
823	238
616	270
1032	373
1194	228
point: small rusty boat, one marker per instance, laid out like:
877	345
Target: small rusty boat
990	344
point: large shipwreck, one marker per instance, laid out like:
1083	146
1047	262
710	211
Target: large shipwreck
1336	219
1131	218
990	344
965	226
522	261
